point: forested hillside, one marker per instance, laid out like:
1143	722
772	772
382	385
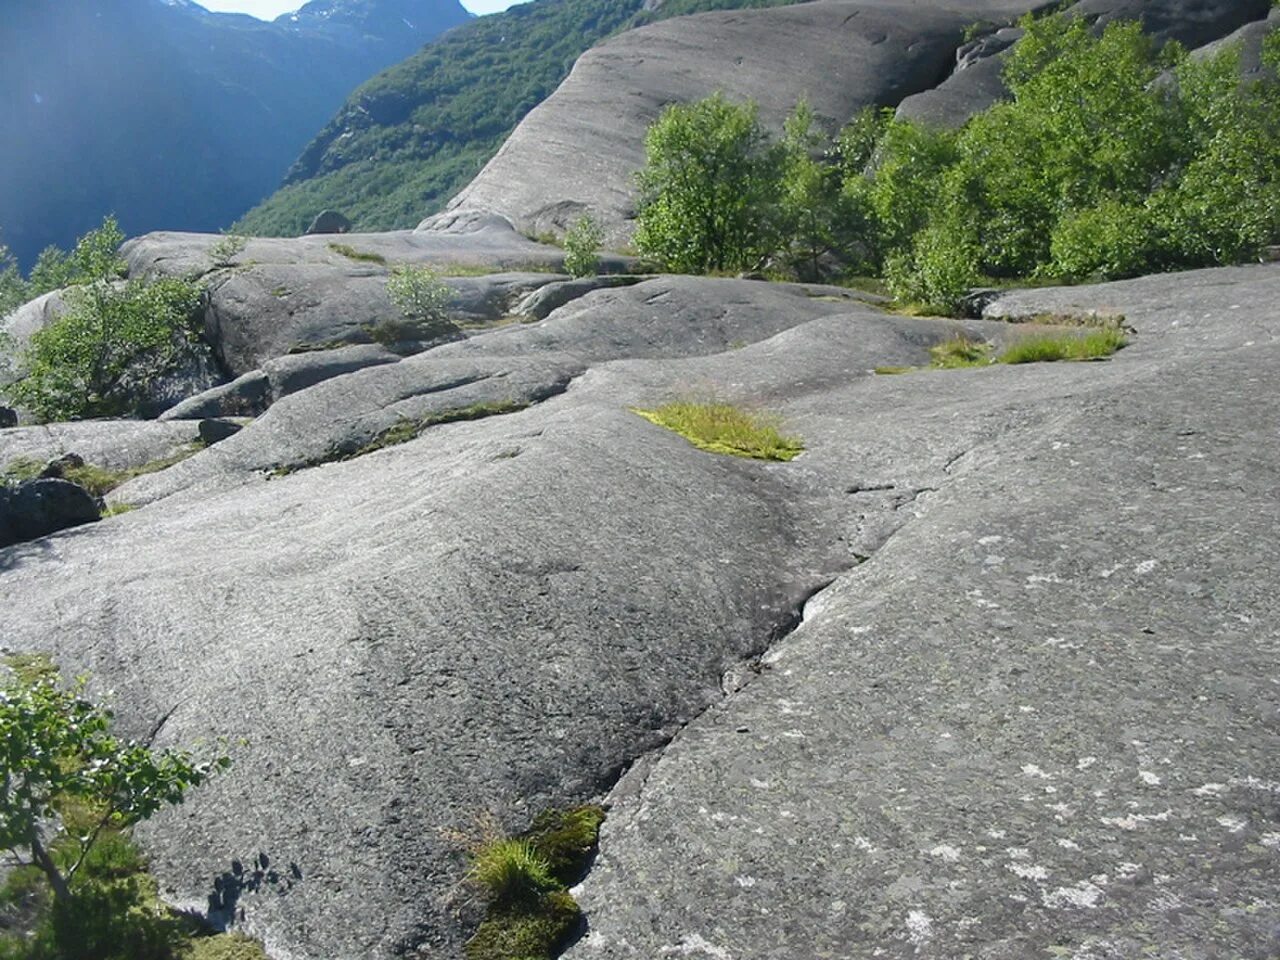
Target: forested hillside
411	137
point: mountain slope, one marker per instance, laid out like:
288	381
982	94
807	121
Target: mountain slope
171	116
412	137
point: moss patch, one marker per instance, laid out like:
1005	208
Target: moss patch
533	917
724	428
892	371
97	480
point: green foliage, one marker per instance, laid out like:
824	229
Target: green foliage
815	218
416	134
531	915
724	428
1046	348
13	289
709	175
113	336
581	247
939	270
226	248
420	294
59	759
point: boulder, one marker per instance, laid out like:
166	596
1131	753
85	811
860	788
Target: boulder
8	417
56	468
545	299
579	149
329	221
245	396
37	508
216	430
112	444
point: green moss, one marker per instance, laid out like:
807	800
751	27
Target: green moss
115	509
534	918
222	946
534	931
960	352
1047	348
565	839
409	429
724	428
892	371
361	256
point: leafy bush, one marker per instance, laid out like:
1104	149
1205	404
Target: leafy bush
112	337
420	294
724	428
581	245
58	756
709	175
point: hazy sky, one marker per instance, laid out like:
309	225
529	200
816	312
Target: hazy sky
270	9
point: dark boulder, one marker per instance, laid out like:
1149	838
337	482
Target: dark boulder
8	417
329	221
56	469
38	508
213	430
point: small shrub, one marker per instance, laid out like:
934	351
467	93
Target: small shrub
226	248
1049	347
581	246
420	294
724	428
960	351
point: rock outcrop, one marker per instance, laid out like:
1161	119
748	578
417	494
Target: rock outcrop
37	508
998	636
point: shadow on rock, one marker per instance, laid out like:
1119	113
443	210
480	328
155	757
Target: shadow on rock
229	886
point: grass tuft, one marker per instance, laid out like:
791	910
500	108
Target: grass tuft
510	868
1047	348
724	428
960	351
531	914
361	256
892	371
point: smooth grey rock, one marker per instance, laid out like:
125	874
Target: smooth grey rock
579	149
1192	23
542	301
508	613
216	430
37	508
247	395
329	221
295	372
965	93
1039	715
113	444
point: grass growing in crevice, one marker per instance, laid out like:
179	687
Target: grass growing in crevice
360	256
525	879
404	430
725	428
892	371
97	480
1047	348
409	429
